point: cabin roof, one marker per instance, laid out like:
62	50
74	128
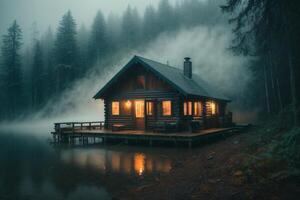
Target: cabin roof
172	75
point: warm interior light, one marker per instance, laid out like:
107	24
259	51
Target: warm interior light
197	108
149	108
213	108
139	163
167	108
115	108
139	108
128	104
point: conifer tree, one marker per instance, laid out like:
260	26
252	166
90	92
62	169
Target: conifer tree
98	43
11	46
66	52
37	77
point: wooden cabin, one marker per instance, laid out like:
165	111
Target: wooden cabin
148	95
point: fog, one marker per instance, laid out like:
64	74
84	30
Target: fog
202	44
207	46
49	12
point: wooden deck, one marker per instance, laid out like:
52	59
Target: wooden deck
85	131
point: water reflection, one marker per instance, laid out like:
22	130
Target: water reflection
104	161
31	168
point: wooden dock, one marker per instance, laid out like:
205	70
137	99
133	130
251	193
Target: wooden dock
68	132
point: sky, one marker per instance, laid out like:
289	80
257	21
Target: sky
49	12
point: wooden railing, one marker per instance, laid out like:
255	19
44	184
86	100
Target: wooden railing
73	126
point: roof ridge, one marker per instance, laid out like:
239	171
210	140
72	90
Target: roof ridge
158	62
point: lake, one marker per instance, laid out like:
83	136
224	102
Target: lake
31	167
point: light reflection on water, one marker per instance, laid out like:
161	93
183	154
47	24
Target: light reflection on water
104	160
31	168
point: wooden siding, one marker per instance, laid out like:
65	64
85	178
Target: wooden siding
157	91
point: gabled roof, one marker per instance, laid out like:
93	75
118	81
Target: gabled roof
174	76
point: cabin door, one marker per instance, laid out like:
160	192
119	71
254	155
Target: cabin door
140	114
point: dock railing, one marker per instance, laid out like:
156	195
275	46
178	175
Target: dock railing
73	126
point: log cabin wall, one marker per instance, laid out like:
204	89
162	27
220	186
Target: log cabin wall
139	83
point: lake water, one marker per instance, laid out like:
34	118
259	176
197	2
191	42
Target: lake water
33	168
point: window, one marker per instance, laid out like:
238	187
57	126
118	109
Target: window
139	108
140	82
126	107
187	108
197	108
166	108
213	108
149	108
115	108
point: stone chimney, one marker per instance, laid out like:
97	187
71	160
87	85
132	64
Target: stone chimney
187	67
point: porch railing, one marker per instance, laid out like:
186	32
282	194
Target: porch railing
73	126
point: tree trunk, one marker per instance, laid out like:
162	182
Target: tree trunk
279	93
291	70
293	86
275	83
267	90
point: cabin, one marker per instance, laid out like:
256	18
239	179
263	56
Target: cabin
150	96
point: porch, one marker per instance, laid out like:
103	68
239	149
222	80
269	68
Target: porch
86	132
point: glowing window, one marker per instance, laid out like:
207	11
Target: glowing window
139	109
149	108
115	108
197	108
166	108
187	108
141	82
213	108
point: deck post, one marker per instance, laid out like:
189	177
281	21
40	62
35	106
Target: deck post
150	143
190	144
73	128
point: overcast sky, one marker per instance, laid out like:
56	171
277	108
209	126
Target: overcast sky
49	12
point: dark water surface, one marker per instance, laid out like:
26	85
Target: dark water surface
33	168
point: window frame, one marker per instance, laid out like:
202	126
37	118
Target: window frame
162	108
148	103
198	108
115	102
188	108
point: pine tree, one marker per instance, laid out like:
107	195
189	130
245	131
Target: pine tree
273	28
131	28
98	43
12	68
37	77
166	17
83	37
150	24
47	44
66	52
113	27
